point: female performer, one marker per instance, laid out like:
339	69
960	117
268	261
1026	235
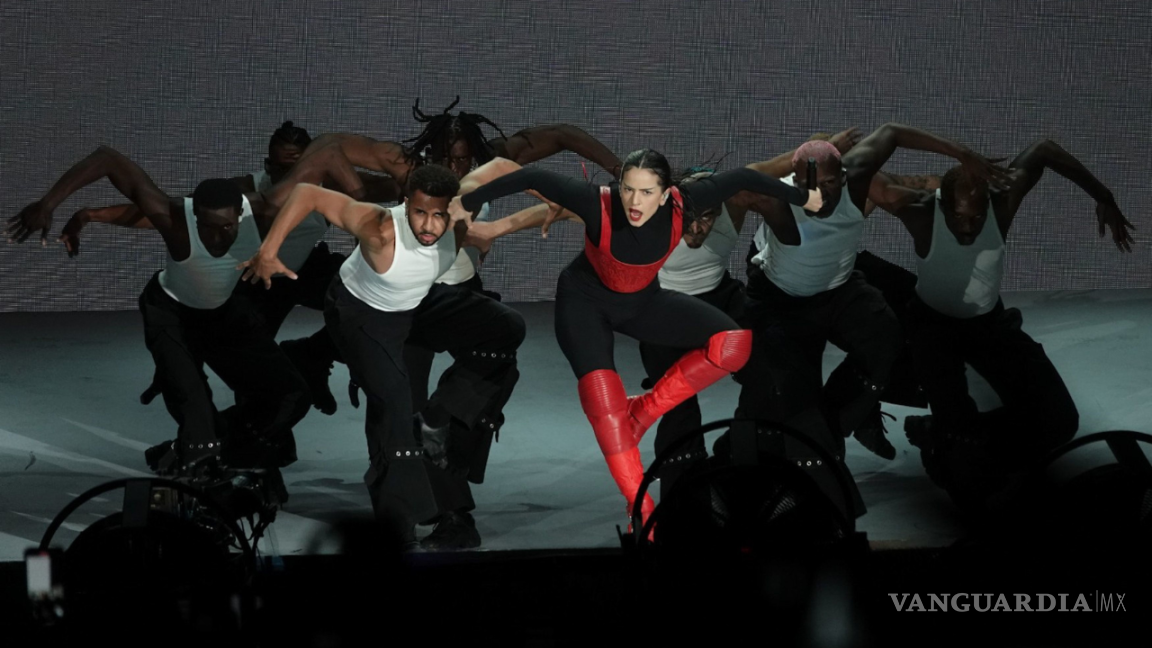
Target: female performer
631	228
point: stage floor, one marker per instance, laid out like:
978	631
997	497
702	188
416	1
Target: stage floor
70	419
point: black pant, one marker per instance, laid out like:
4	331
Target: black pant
1037	412
588	313
308	290
898	286
232	340
783	380
482	335
482	339
727	297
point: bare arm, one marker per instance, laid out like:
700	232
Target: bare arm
1027	169
366	153
539	142
893	193
128	215
867	157
104	162
357	218
327	165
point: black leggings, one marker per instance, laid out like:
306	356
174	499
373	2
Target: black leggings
588	314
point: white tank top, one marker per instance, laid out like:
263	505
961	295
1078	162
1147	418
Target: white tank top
467	260
826	253
413	271
961	281
694	272
202	280
300	241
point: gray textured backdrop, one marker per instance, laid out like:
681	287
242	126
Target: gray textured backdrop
193	89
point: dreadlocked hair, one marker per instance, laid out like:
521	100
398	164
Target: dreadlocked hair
705	169
444	129
291	135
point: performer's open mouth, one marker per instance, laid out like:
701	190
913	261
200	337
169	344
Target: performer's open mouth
635	214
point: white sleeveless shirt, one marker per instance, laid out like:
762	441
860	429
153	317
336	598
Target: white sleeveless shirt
697	271
961	281
202	280
413	271
300	241
467	260
825	256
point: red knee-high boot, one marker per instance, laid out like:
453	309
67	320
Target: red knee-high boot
606	405
726	353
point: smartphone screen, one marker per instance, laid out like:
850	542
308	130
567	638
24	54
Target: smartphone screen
39	569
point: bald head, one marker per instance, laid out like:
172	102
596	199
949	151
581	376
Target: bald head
829	172
964	201
823	152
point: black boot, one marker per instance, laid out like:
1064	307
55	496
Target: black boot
871	434
456	530
315	370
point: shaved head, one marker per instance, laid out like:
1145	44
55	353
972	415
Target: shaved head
824	153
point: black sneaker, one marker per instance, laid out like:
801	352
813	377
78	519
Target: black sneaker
871	434
922	434
315	372
456	530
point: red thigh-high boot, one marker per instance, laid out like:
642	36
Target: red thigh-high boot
606	405
726	353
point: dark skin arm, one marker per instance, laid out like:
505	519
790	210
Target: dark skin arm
889	182
127	215
539	142
104	162
363	152
864	161
1028	168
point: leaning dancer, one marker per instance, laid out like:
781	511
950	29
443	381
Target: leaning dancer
631	229
191	317
375	305
957	317
802	293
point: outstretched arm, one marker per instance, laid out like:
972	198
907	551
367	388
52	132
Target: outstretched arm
715	189
356	218
537	216
327	165
539	142
124	174
1027	169
364	152
128	215
867	157
574	195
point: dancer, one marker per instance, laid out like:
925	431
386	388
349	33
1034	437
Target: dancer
304	252
380	300
457	141
191	317
631	228
802	293
957	317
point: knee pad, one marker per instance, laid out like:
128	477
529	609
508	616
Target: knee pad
729	350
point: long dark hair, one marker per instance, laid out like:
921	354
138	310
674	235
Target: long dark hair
443	129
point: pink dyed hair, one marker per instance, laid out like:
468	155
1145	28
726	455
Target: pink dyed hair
819	149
